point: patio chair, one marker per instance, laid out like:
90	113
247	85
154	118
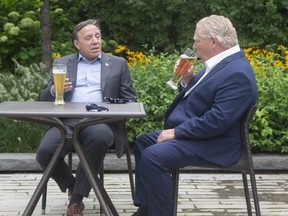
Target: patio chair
244	165
101	176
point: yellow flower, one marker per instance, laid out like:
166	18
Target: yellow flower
120	49
56	55
286	56
278	63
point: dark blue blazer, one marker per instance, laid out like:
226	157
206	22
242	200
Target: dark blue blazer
209	116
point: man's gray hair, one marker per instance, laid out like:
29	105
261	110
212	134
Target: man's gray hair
81	25
218	27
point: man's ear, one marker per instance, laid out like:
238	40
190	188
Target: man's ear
215	42
76	44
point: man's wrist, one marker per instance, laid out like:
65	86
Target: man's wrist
183	85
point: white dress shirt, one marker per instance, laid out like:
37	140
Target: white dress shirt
88	83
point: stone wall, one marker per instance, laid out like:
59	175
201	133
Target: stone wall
26	162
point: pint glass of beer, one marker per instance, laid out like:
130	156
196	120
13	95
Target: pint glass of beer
186	61
59	75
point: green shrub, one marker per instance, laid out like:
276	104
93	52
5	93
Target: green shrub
19	136
149	81
149	76
269	131
22	85
19	33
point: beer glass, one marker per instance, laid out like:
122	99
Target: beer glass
187	59
59	75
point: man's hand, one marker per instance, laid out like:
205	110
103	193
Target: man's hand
166	135
188	75
67	86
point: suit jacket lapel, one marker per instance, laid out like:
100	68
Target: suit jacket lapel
210	74
105	68
72	72
72	68
220	65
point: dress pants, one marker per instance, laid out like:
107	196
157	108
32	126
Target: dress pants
95	141
154	165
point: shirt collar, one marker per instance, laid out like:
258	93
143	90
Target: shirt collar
210	63
81	57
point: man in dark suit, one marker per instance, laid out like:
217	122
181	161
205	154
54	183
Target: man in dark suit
91	76
202	125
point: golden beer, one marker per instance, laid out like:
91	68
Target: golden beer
186	61
184	65
59	75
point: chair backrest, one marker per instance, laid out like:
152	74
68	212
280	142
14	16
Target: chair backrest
245	162
245	124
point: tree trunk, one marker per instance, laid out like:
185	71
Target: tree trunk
46	42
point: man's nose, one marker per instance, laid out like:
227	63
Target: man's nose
95	39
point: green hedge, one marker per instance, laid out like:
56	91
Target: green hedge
23	84
269	132
165	25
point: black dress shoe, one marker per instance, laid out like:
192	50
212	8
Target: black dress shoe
142	211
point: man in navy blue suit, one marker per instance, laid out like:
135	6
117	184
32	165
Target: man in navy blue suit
202	125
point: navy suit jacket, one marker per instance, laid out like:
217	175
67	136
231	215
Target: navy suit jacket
115	82
209	116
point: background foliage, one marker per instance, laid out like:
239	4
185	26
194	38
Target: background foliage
23	85
269	132
19	33
169	25
160	29
140	24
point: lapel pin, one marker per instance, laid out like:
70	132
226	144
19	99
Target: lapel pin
106	64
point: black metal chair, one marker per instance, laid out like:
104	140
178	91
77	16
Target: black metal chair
101	176
244	165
